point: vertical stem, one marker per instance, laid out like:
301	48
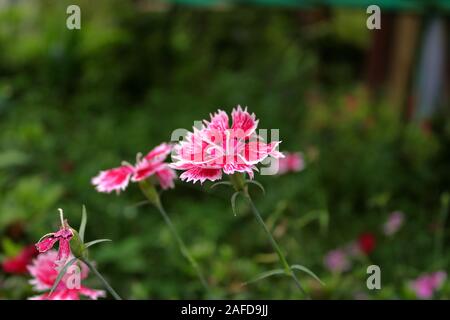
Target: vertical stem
103	280
150	192
440	233
288	270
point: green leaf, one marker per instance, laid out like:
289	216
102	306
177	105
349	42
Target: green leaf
264	275
233	202
259	185
224	183
61	274
83	223
324	219
91	243
306	270
11	158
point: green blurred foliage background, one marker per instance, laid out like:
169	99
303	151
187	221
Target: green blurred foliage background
75	102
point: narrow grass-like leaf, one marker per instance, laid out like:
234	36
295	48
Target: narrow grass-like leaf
259	185
83	223
91	243
264	275
233	202
221	183
306	270
61	274
324	219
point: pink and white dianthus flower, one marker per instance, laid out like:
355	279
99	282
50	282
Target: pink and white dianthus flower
218	147
44	274
292	162
117	179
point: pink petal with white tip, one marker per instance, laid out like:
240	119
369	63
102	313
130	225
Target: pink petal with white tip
242	120
115	179
201	174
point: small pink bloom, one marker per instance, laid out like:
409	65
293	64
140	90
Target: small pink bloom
393	223
218	148
63	236
44	275
292	162
426	285
337	261
117	179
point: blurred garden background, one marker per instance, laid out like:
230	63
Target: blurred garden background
368	110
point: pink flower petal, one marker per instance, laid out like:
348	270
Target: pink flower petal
145	169
91	293
63	251
243	168
46	244
219	121
242	120
115	179
159	153
256	151
166	177
201	174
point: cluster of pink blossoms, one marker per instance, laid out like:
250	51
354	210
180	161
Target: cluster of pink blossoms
117	179
426	285
44	276
219	147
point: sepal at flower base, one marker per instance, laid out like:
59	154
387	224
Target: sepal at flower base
238	182
77	246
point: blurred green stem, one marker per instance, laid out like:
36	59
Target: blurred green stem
238	182
149	190
440	233
103	280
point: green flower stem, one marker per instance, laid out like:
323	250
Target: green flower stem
151	194
103	280
239	184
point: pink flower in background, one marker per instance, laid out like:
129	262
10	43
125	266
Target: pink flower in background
63	236
18	264
117	179
292	162
219	148
426	285
393	223
44	275
337	261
